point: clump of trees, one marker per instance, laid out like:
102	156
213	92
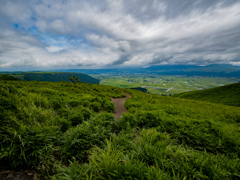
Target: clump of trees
74	80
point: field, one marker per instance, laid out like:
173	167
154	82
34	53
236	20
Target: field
62	132
164	84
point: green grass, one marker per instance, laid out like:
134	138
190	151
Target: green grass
64	132
157	84
228	95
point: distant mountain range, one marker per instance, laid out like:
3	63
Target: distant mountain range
217	70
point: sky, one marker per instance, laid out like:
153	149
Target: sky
118	33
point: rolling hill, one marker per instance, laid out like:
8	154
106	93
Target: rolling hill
228	95
64	132
53	76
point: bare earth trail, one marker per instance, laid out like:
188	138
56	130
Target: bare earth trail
120	107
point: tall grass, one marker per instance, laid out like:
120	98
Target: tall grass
70	133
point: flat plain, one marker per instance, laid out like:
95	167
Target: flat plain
157	84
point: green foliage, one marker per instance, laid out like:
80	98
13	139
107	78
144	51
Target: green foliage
80	139
95	106
147	119
110	163
36	119
48	76
228	95
74	80
70	133
4	77
27	146
126	121
108	106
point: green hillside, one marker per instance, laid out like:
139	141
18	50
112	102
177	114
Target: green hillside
53	76
228	95
7	77
64	132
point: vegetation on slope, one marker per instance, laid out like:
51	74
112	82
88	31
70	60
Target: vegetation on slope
58	130
54	77
228	95
4	77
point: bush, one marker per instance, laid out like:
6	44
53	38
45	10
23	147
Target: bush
80	139
109	106
126	121
28	145
86	103
64	124
105	120
74	104
95	106
147	119
110	163
56	103
76	118
86	113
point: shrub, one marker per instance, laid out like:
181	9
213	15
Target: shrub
126	121
64	112
56	103
80	139
74	104
29	145
95	106
64	124
147	119
110	163
105	120
76	118
109	106
86	113
86	103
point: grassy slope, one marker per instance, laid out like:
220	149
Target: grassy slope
54	76
228	95
46	125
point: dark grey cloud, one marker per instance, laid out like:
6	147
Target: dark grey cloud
122	59
65	33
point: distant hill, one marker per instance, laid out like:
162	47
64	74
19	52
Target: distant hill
216	70
53	76
7	77
228	95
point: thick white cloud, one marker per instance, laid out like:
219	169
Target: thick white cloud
66	33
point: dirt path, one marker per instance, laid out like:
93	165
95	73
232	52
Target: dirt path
120	107
17	175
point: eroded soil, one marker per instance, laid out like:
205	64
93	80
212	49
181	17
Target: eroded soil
120	105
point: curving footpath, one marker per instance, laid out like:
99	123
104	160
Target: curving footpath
119	103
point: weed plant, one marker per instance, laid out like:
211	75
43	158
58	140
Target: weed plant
70	133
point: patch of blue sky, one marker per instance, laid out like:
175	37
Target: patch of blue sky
63	41
33	18
16	25
33	30
53	40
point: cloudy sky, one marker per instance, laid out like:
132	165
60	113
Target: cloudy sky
104	33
